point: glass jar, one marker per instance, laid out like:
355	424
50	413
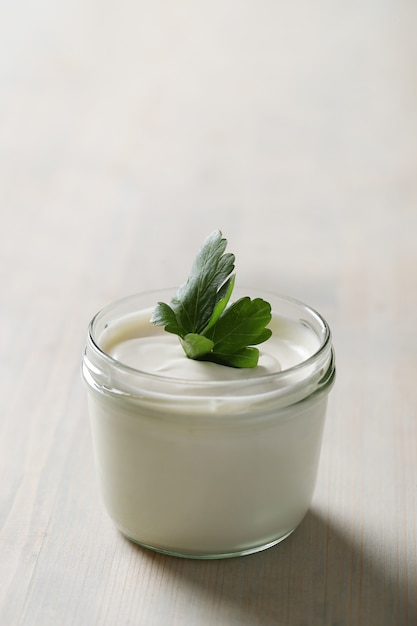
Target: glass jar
206	469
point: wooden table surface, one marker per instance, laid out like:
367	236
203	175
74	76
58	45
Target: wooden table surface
128	132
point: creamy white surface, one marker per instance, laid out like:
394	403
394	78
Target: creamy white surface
135	342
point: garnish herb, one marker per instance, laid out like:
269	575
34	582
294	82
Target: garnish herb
208	329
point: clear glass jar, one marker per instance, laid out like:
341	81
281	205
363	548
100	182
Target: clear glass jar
206	469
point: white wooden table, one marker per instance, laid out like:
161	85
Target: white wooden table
128	132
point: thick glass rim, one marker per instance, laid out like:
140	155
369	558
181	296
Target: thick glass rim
325	341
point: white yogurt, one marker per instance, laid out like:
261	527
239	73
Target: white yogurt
198	459
139	344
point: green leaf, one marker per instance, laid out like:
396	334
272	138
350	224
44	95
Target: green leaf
196	299
196	346
163	315
245	357
242	324
222	303
199	314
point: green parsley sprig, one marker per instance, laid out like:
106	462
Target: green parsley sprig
199	314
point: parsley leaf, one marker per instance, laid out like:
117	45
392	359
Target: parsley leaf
209	329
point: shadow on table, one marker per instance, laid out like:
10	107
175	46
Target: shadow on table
318	576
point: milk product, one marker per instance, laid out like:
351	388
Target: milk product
199	459
135	342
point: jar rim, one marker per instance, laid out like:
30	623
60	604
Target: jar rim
324	347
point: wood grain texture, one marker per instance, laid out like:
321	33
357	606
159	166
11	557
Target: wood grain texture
128	131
